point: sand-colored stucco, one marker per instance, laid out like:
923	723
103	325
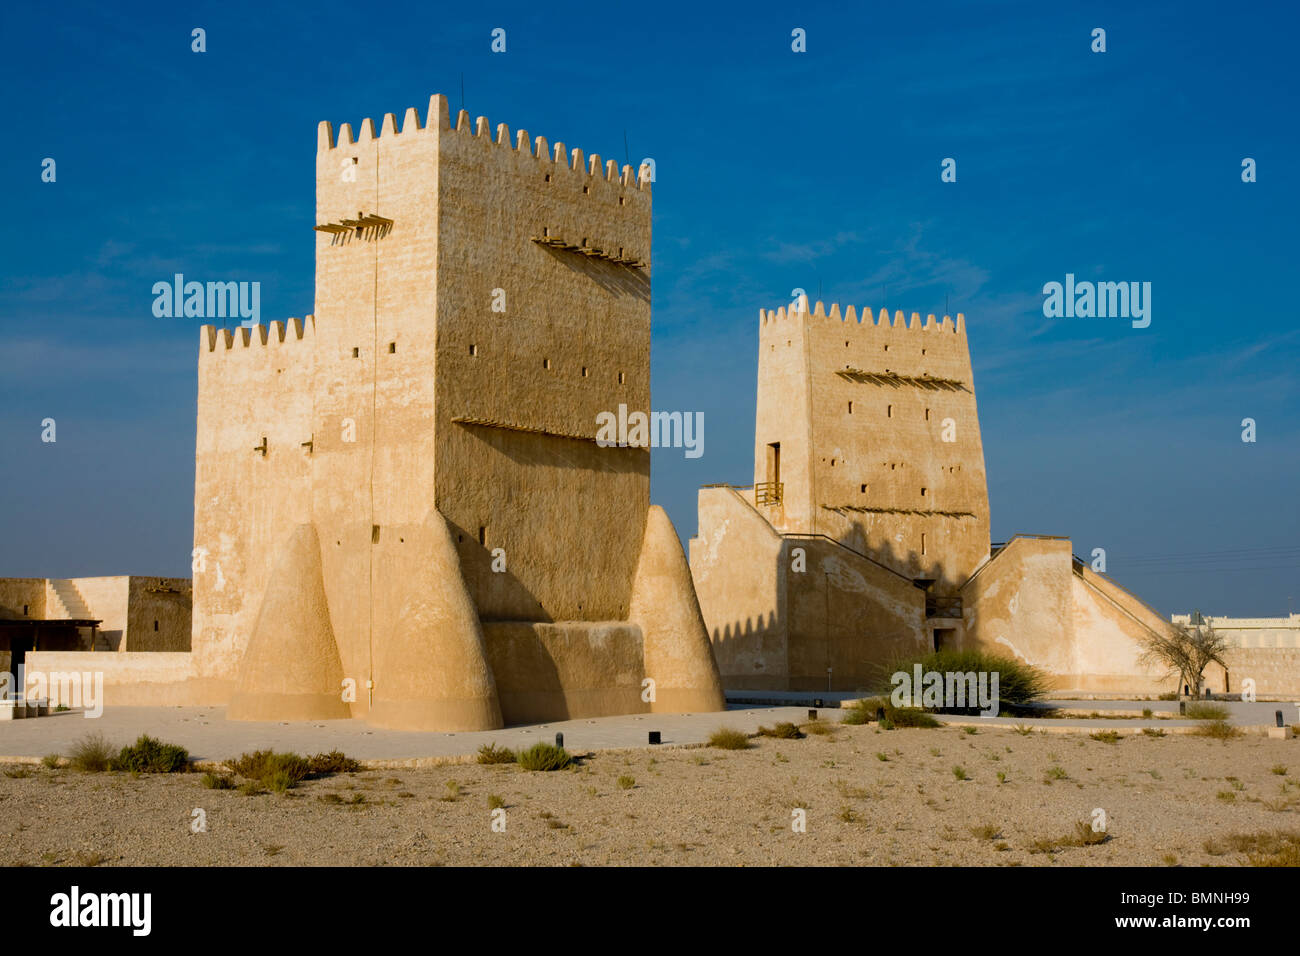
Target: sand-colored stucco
291	669
480	300
879	489
678	658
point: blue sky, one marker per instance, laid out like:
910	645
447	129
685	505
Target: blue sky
774	170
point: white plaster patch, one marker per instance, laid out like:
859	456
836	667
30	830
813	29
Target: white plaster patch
843	576
714	541
1014	649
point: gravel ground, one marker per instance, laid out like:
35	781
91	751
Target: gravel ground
871	798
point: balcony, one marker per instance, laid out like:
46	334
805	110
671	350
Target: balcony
939	606
768	492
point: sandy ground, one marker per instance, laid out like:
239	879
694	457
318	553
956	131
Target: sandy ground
871	798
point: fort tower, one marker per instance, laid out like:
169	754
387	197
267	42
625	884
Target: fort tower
424	447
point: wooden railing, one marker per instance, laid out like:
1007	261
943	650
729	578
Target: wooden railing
768	492
943	606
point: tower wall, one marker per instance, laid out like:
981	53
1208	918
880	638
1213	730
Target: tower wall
534	341
479	302
880	399
253	384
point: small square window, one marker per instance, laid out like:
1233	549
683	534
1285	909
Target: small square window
923	492
482	535
473	349
889	411
584	371
356	352
850	408
548	177
546	363
622	200
586	189
863	489
621	378
392	347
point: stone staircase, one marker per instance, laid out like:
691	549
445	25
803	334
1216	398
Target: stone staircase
67	603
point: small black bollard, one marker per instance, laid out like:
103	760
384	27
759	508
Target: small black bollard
1182	707
812	715
559	741
1277	715
654	737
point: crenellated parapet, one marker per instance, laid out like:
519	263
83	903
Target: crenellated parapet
481	131
881	320
216	340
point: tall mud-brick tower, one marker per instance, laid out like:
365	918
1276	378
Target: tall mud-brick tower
869	509
403	494
870	427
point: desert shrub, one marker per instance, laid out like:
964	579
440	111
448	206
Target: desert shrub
1083	835
91	754
863	711
909	717
626	783
783	731
272	770
336	761
148	755
279	781
1269	848
1200	710
728	738
822	728
1106	736
1218	729
544	756
491	753
50	761
214	781
1020	685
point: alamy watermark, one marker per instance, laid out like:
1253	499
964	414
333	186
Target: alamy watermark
624	429
947	689
72	689
1100	300
208	300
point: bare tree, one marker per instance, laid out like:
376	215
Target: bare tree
1186	650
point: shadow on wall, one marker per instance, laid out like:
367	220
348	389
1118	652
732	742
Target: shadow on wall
579	454
506	588
837	625
614	279
910	563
